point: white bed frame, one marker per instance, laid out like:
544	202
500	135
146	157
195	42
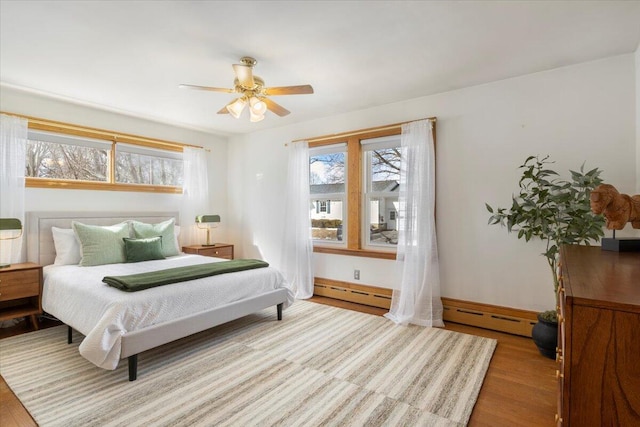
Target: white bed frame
41	250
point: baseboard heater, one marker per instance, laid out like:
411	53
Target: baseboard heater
502	319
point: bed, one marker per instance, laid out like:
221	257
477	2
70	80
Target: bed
119	325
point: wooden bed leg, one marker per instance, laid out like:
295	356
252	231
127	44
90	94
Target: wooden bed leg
133	367
280	311
69	335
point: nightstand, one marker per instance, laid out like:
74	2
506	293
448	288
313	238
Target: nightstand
21	292
219	250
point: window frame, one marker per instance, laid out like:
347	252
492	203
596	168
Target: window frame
354	217
341	244
114	139
367	146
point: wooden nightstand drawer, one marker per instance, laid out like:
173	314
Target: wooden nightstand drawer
220	250
224	252
19	284
20	292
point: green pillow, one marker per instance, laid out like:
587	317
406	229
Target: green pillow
146	249
101	244
163	229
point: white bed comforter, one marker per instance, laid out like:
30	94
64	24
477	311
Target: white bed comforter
78	297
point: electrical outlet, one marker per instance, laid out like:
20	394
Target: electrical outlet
356	274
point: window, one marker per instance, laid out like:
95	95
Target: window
381	167
141	165
327	180
56	156
60	155
354	185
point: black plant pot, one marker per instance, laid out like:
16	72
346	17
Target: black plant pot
545	335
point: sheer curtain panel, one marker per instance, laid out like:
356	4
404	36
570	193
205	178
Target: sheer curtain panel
417	300
297	253
195	194
13	145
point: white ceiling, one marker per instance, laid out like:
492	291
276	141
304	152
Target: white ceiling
130	56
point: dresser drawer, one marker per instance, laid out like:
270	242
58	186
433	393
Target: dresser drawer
19	284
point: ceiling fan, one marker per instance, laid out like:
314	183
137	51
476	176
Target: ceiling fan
253	92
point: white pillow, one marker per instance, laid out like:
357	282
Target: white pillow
67	246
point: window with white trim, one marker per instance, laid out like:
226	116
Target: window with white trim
57	156
143	165
327	185
381	159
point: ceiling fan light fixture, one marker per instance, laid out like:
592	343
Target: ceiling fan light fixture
257	106
252	90
255	117
236	107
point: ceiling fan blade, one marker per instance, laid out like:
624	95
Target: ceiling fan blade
244	73
224	110
289	90
275	108
211	89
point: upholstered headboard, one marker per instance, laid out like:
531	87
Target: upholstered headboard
40	247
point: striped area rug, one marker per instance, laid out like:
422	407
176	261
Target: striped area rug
319	366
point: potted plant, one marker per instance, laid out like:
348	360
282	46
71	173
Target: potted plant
556	211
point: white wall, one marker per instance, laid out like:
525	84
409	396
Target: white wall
575	114
38	199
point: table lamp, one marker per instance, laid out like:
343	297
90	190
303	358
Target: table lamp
208	222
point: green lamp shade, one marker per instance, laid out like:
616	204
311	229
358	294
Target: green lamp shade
204	219
10	224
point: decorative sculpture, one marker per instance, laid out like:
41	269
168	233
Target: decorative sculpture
618	209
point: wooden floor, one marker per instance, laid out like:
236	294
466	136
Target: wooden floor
519	388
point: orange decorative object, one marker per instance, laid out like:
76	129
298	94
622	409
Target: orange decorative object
618	209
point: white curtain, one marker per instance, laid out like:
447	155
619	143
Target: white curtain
417	300
13	145
195	195
297	253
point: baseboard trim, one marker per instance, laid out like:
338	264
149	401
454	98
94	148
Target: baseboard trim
487	316
352	292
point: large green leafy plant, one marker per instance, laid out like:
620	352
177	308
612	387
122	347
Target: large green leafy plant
554	210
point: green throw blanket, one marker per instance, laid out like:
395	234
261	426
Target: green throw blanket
140	281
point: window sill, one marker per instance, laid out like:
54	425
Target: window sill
97	185
355	252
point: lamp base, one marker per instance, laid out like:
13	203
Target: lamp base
625	244
208	244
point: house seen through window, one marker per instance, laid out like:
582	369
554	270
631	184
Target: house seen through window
327	187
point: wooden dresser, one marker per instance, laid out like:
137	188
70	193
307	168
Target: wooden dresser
598	338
